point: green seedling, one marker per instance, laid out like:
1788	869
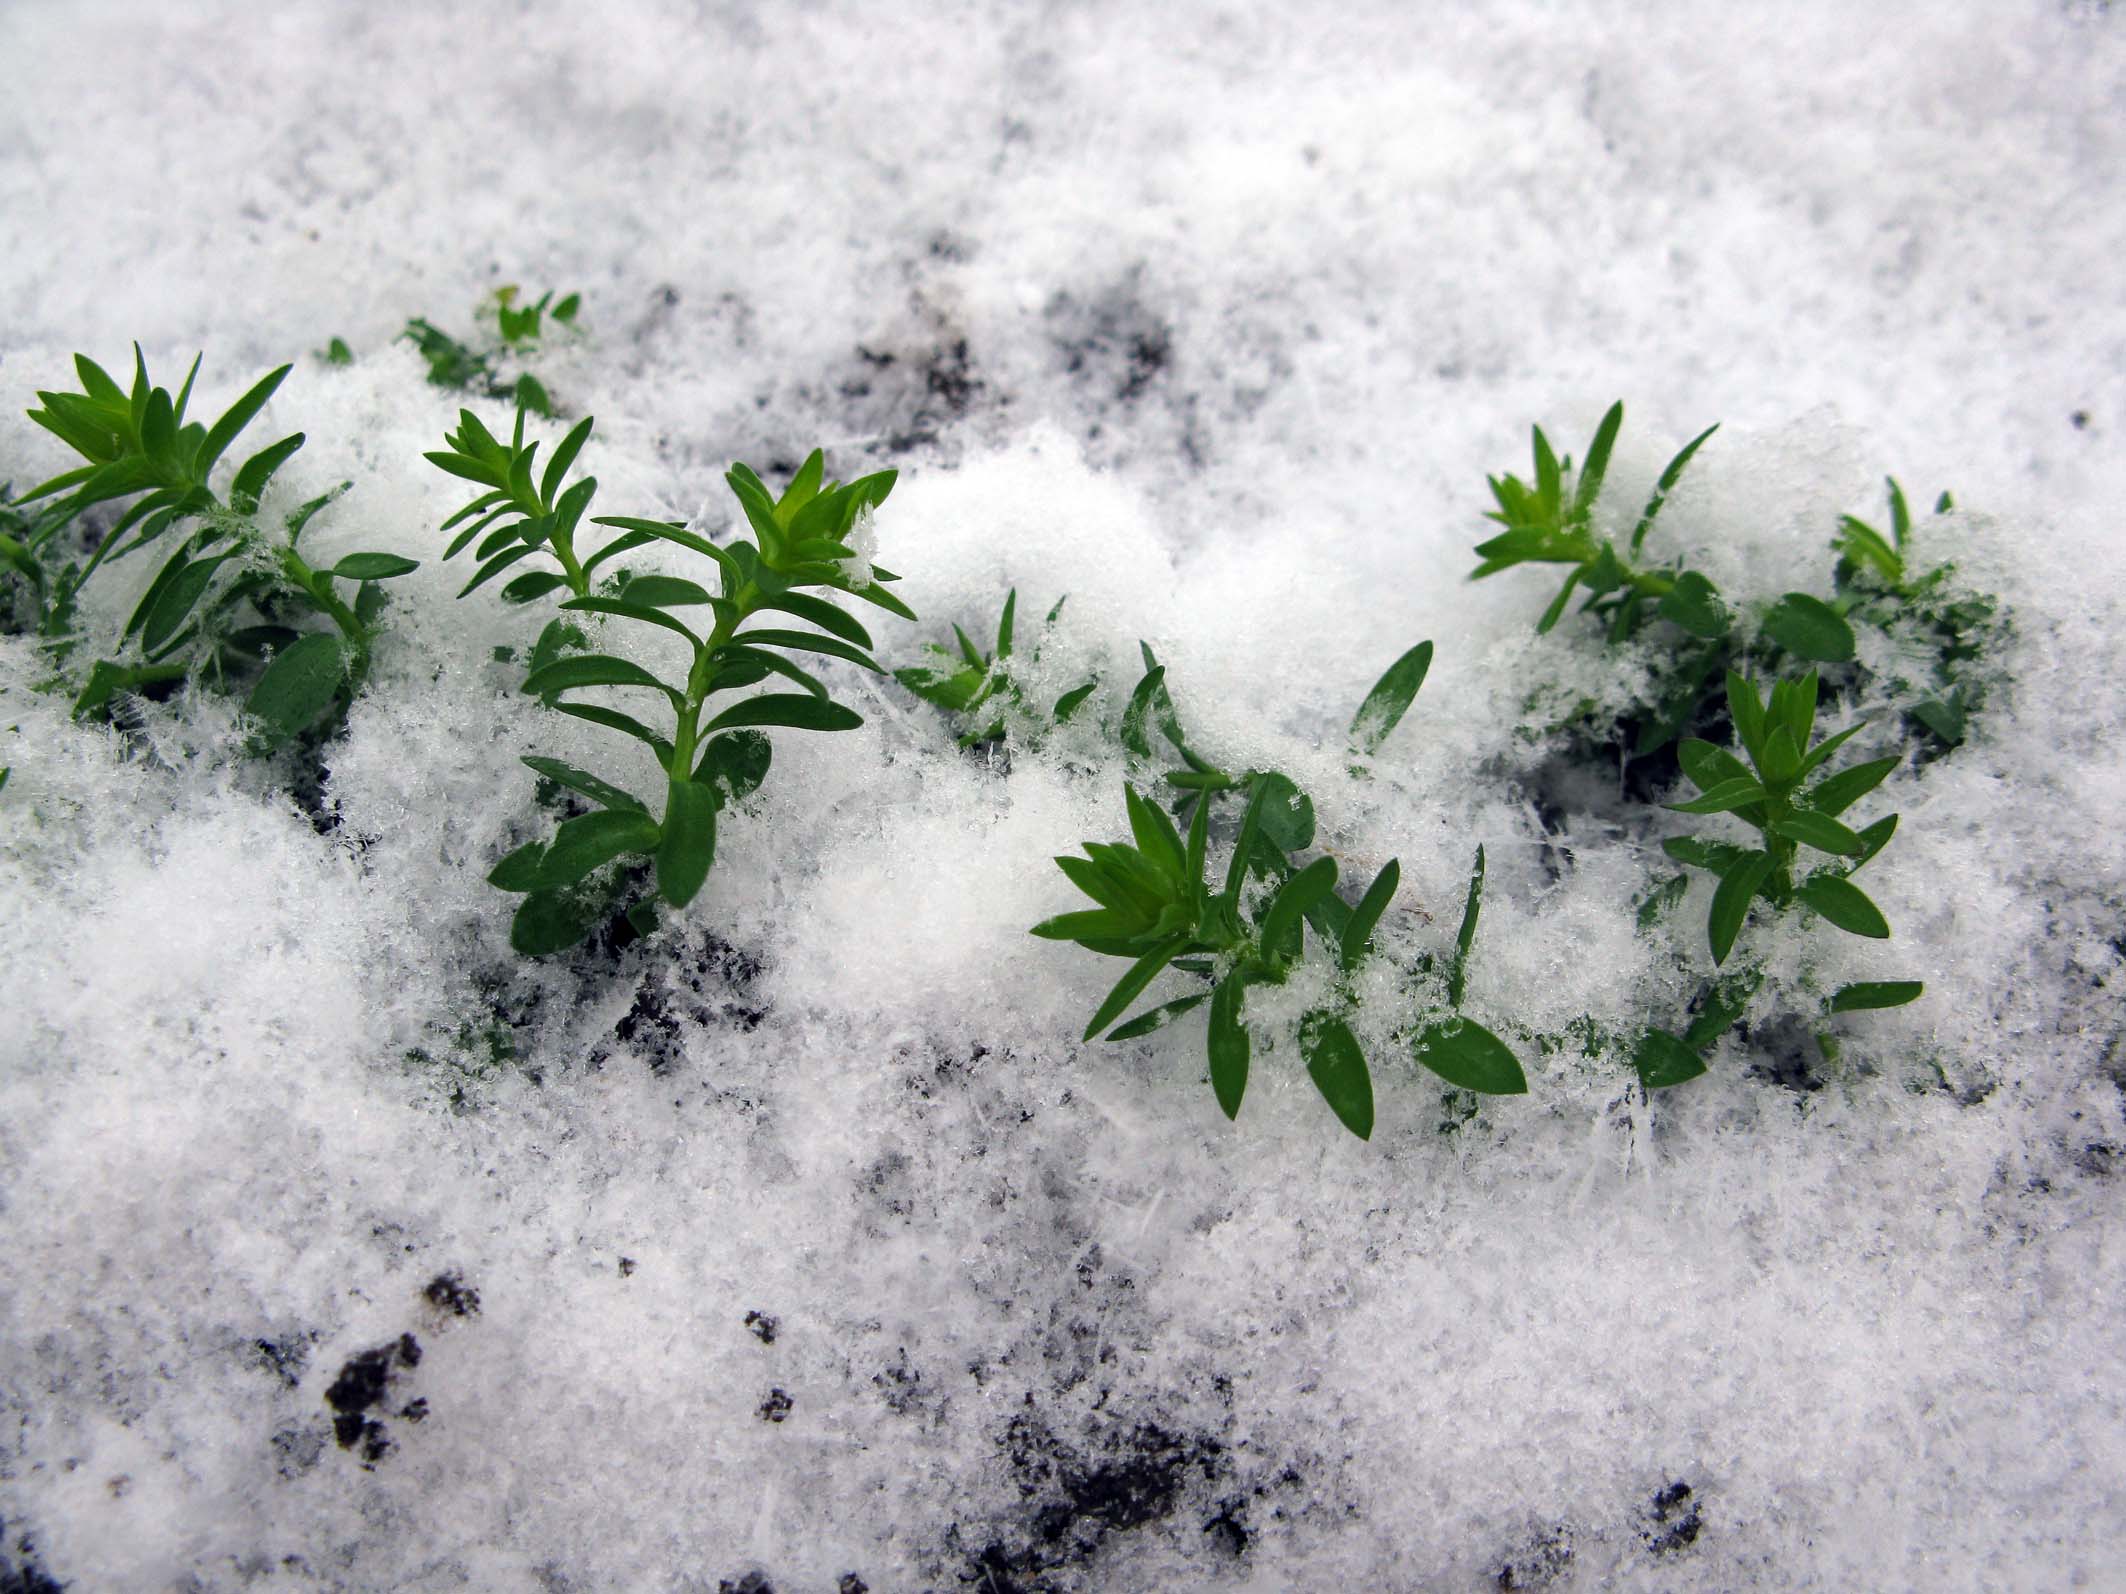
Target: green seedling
709	760
226	605
1455	1047
1155	906
1551	521
980	686
1784	794
1875	583
464	369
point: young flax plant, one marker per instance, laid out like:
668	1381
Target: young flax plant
1783	794
807	538
1155	905
981	687
137	445
1551	520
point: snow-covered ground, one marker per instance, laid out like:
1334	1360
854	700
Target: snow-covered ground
804	1246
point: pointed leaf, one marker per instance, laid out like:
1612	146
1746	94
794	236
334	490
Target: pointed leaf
1845	905
1824	834
590	785
1731	902
1836	793
735	764
1465	1054
803	713
299	686
1809	628
1157	1018
1357	935
1389	700
1227	1044
1662	1060
374	567
591	669
688	847
1337	1066
234	420
1871	994
1127	989
593	840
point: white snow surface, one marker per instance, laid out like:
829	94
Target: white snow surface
1213	317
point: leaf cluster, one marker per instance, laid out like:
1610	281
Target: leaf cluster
230	602
980	687
465	369
1157	906
1551	519
1787	793
711	757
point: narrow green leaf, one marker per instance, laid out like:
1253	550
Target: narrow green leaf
1834	794
495	566
1824	834
688	847
810	642
1464	1053
1871	994
1845	905
1243	849
1337	1066
1717	856
1874	838
665	531
1069	702
374	567
612	719
1731	902
591	669
1155	835
614	606
1669	477
564	456
593	840
299	686
234	420
1357	935
1816	755
802	713
1709	766
1746	709
1662	1060
1809	628
178	599
554	921
519	870
663	592
1227	1044
735	764
1287	815
1157	1018
590	785
1389	700
1694	604
1127	989
1726	1001
1011	602
1727	796
1465	937
820	613
1597	465
255	472
1556	610
1281	920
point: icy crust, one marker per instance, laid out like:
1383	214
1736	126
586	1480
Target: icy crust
801	1246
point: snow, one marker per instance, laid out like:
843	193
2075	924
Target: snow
1213	319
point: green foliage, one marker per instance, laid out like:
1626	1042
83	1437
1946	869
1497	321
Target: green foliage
1788	795
464	368
711	759
980	687
231	604
1156	905
1552	520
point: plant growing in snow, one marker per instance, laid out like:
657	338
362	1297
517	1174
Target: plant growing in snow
464	369
1155	905
1782	794
802	539
226	569
1551	520
980	686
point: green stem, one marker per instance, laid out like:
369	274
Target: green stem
701	679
